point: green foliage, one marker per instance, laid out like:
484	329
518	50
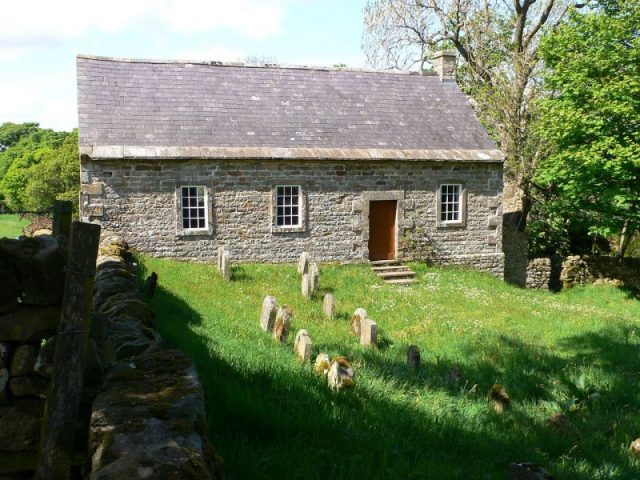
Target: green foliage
574	352
591	120
37	166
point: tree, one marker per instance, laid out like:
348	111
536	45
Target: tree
591	119
497	43
37	166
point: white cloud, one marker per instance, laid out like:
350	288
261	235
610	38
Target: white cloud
48	23
212	52
27	99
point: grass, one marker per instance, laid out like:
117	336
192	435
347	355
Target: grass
270	417
11	225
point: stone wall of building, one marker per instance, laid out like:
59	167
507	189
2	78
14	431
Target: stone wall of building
137	199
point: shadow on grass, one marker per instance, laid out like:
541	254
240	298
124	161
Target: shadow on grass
279	424
239	274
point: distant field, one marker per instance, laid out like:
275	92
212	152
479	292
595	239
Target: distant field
11	226
574	353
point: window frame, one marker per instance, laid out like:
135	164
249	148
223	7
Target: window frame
461	202
208	211
302	210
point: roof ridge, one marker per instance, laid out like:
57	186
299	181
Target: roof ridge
217	63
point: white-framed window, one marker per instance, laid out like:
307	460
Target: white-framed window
450	203
194	211
288	211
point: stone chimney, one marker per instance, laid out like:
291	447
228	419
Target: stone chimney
444	63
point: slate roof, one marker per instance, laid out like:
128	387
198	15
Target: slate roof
152	109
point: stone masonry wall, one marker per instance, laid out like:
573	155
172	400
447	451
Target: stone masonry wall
539	273
137	199
142	404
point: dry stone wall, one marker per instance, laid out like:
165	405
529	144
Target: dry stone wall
137	199
32	273
565	272
148	420
142	404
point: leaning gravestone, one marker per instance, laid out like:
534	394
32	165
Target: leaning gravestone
340	374
282	324
359	315
368	332
226	266
306	285
268	315
303	263
329	305
303	345
314	277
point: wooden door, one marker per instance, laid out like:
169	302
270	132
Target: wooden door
382	230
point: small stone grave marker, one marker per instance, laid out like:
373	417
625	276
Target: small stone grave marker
368	332
340	374
527	471
306	285
314	277
322	363
226	266
282	324
303	345
413	357
328	305
220	254
359	315
268	314
303	263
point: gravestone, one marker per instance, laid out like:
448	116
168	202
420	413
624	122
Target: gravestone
368	332
314	277
220	254
340	374
322	363
306	285
303	345
226	266
527	471
359	315
303	263
282	324
268	315
413	357
328	305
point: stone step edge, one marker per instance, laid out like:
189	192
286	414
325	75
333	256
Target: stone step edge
407	273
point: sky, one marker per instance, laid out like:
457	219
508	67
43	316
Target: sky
39	41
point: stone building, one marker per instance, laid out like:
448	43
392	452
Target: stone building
350	165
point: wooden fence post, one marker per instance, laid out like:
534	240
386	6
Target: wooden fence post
63	400
62	211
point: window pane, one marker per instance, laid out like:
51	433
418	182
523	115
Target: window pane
201	223
185	223
294	220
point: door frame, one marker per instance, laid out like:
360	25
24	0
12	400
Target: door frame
367	197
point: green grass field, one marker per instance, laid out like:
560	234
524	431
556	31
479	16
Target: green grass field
11	226
576	352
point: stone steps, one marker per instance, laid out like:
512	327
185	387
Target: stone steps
393	272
